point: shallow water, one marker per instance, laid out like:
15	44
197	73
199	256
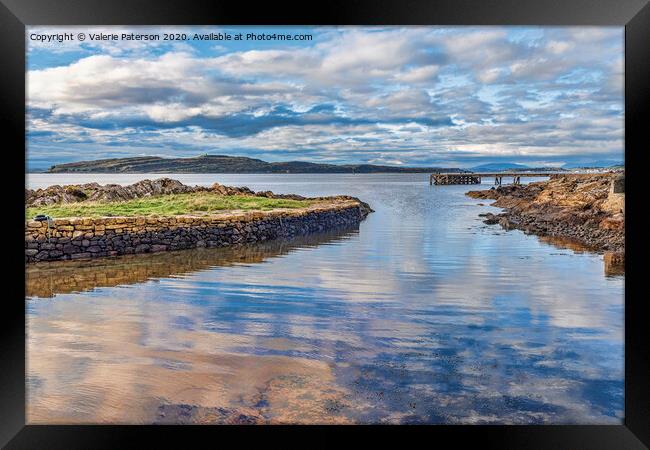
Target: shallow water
421	315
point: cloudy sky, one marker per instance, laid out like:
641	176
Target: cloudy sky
416	96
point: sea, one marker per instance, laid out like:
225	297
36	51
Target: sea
421	314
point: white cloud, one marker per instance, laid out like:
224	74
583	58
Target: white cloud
419	74
488	76
558	47
377	87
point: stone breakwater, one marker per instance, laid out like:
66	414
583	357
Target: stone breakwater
79	238
587	209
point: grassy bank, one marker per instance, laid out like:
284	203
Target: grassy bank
166	205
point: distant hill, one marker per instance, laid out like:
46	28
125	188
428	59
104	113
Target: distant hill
497	167
227	164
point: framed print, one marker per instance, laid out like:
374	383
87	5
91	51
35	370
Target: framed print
415	216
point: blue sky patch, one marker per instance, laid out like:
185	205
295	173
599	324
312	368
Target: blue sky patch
412	96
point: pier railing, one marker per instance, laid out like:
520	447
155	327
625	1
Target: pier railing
475	178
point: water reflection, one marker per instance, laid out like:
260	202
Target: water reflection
613	263
47	279
561	242
425	315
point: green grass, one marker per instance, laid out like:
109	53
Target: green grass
166	205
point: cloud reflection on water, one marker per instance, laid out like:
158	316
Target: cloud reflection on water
424	315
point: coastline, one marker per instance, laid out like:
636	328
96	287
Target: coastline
424	256
74	238
588	210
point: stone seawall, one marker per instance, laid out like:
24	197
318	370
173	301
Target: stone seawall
79	238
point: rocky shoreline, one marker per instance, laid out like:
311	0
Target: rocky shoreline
588	209
92	237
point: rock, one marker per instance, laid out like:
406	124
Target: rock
505	223
142	248
491	219
618	185
70	249
218	188
576	207
616	222
229	190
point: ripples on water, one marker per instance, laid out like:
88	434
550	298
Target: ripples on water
421	315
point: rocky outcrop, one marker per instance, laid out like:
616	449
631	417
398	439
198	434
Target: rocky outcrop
115	192
96	192
589	209
146	188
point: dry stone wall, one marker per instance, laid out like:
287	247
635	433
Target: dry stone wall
79	238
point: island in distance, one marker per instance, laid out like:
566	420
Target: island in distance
240	164
226	164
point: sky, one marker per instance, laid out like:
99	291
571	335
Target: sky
407	96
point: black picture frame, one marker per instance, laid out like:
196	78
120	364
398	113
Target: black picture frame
633	14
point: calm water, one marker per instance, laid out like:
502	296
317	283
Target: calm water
421	315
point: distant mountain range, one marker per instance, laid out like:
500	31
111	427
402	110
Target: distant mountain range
227	164
499	167
603	163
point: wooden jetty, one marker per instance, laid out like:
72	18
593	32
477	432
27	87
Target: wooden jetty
475	178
